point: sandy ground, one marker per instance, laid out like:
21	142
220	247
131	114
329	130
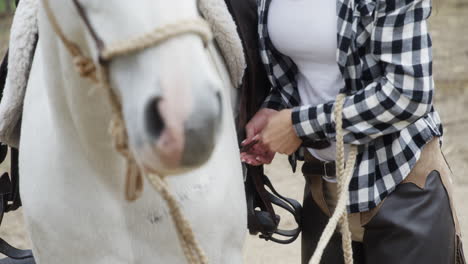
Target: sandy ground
448	26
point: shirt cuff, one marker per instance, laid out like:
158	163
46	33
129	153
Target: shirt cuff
306	125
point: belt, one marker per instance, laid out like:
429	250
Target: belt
313	166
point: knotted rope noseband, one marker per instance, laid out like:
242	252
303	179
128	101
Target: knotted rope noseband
99	75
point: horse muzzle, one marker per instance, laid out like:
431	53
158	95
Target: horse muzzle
178	141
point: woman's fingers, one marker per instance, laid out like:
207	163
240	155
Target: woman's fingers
250	133
267	158
253	151
257	124
258	149
258	157
250	159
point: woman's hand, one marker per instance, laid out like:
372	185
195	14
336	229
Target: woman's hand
259	154
279	135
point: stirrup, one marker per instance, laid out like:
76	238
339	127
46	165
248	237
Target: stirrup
15	256
261	215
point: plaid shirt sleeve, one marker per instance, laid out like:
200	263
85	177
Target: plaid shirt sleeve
281	70
274	101
282	73
402	95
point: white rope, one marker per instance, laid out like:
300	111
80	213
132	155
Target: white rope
344	175
159	35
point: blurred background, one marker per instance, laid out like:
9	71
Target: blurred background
449	29
7	8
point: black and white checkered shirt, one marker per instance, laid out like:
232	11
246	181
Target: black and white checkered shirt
385	56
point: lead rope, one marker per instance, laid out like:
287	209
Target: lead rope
344	175
134	179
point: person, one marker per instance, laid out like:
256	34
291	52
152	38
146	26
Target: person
379	54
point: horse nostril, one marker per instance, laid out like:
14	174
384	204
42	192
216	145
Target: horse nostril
153	119
218	97
220	102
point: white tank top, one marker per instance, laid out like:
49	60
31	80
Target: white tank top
305	31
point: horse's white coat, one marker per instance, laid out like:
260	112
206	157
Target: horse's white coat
72	178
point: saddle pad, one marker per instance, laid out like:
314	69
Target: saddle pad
23	38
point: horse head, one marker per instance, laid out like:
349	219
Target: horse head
169	92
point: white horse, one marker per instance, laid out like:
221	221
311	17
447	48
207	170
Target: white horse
177	110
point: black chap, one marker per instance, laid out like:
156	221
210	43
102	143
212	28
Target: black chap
413	226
